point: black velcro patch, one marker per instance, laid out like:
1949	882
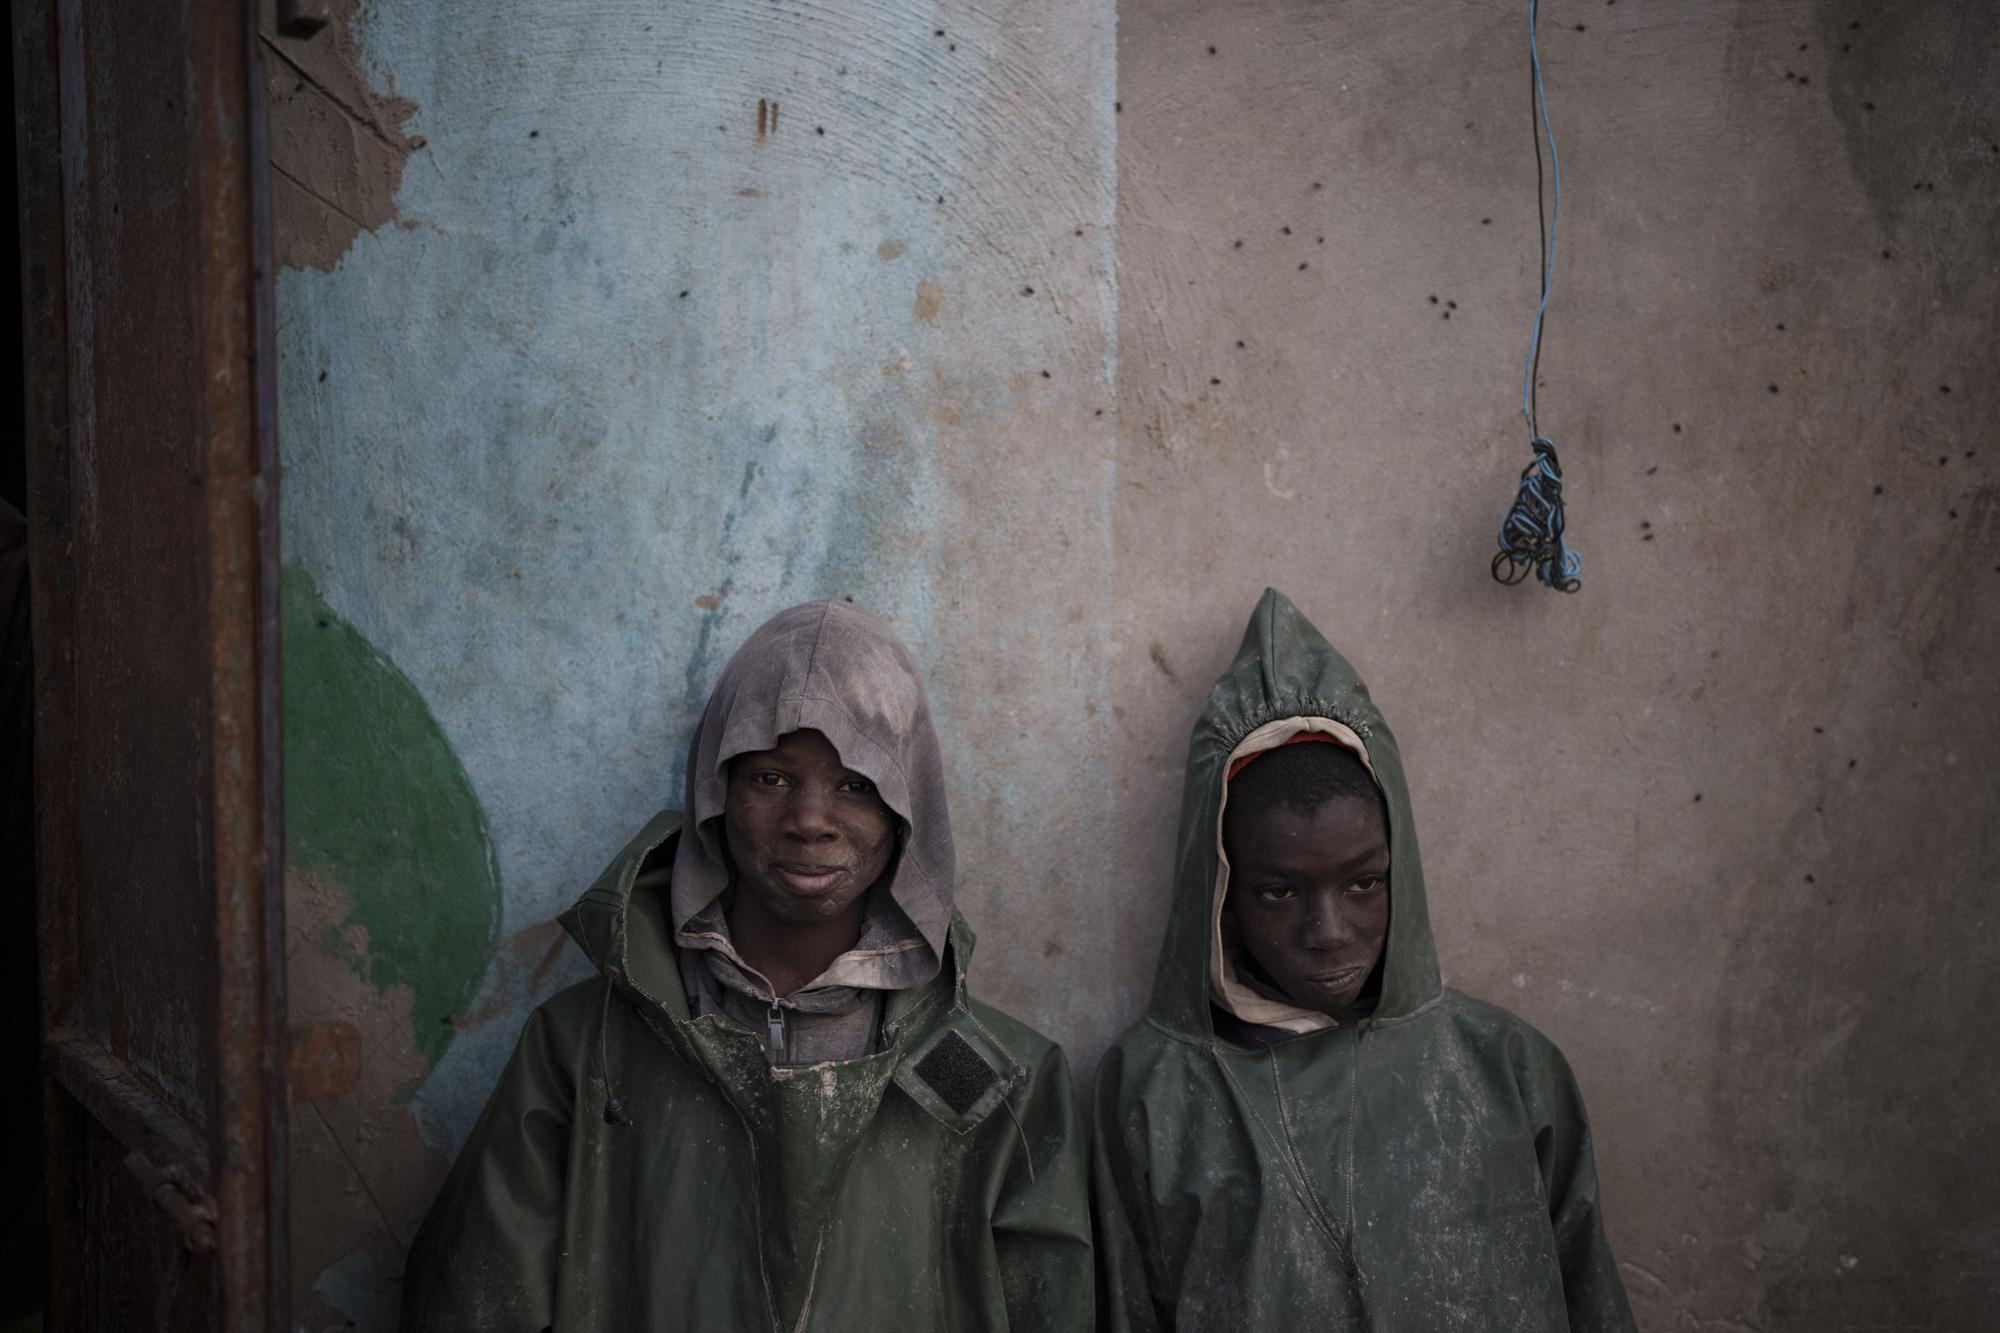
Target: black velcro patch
956	1072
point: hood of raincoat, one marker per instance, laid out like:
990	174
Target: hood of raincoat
829	667
1286	679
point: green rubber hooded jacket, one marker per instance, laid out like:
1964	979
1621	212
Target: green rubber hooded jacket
935	1180
1427	1169
937	1184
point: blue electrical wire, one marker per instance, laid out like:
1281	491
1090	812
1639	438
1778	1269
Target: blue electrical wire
1531	536
1554	221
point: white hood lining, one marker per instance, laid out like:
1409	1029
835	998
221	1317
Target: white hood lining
1227	985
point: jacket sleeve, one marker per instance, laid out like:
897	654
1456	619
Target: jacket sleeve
485	1258
1041	1221
1125	1302
1591	1287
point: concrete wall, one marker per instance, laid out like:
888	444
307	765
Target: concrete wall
588	364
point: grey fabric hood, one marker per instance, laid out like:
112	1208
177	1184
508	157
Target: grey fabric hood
828	667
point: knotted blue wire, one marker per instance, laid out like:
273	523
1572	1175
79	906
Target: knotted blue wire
1531	535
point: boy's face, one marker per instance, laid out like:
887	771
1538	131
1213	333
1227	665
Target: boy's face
807	834
1309	892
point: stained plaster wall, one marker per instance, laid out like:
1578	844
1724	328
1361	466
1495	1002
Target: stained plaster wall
588	363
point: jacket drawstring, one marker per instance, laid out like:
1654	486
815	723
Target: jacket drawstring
614	1105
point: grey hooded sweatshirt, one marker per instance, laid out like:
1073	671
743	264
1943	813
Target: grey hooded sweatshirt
832	668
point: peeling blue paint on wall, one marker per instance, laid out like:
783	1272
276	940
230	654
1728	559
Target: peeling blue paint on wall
627	375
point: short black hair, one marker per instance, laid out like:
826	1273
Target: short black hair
1301	778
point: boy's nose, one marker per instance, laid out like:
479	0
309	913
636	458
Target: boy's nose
810	817
1326	925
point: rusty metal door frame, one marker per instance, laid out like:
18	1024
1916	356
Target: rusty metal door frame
218	1185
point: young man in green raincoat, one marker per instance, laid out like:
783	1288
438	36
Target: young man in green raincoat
778	1107
1308	1130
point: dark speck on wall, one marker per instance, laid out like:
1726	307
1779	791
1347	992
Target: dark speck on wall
1651	470
1211	50
1046	375
1677	428
1944	388
683	296
1302	268
1213	380
534	134
1772	387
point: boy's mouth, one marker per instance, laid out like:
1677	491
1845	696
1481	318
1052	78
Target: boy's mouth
810	880
1338	979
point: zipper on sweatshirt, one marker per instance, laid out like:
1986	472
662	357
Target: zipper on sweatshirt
774	1025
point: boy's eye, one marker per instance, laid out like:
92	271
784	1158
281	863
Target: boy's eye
1277	893
858	786
1373	884
766	778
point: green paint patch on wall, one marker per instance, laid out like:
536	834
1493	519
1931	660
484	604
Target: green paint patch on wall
376	798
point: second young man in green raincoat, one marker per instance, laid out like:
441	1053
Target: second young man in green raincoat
1308	1130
